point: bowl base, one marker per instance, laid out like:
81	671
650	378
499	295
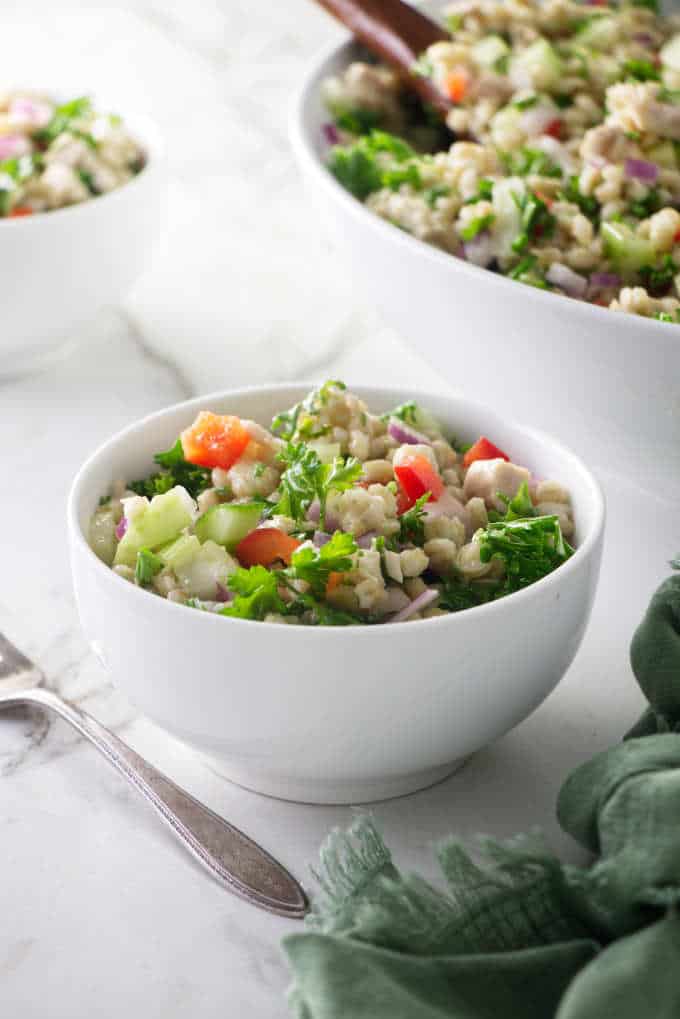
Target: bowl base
331	791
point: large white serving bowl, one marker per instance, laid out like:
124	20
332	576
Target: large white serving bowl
59	268
606	382
336	714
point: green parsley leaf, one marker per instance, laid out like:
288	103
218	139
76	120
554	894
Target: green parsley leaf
658	278
147	566
476	226
322	613
412	522
642	208
457	594
664	316
537	220
176	471
525	103
517	508
62	120
256	592
651	5
315	565
484	192
530	161
528	548
358	121
88	180
641	70
588	205
299	421
527	271
356	170
359	168
422	67
306	478
432	194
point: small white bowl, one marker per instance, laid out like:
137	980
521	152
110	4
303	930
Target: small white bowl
336	714
59	268
607	381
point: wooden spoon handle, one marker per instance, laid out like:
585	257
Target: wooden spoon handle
396	33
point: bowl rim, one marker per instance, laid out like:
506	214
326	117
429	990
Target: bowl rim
145	130
303	146
585	550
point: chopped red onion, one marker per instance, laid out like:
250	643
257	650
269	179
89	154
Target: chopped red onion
566	279
644	38
121	528
366	540
223	595
320	538
423	600
405	434
479	250
314	512
330	133
642	170
605	279
34	111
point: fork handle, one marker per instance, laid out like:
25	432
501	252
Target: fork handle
231	857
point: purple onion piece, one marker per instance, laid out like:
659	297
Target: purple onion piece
330	133
425	599
321	538
642	170
644	38
121	527
366	540
222	595
405	434
314	512
605	279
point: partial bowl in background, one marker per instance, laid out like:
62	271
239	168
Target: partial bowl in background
336	714
606	382
59	268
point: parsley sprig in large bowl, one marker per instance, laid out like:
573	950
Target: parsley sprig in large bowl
330	713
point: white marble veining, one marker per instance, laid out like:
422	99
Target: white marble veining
103	915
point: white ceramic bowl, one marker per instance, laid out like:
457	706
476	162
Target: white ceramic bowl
608	383
335	714
59	268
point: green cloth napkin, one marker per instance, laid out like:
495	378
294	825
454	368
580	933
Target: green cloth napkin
516	934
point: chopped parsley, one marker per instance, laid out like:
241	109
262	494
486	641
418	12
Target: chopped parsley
642	208
658	278
588	205
315	565
88	180
641	70
533	161
412	522
484	192
476	226
526	102
306	478
651	5
516	508
257	594
528	548
358	121
175	471
438	191
537	220
299	420
422	67
527	271
147	566
664	316
63	120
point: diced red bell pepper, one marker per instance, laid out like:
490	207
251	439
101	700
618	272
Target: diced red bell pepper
456	84
483	449
416	476
20	210
214	440
554	128
264	546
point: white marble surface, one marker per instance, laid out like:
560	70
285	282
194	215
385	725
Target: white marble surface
103	914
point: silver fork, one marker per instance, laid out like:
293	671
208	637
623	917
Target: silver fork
232	858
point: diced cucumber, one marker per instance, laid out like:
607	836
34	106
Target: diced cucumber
601	33
198	567
489	50
670	53
326	451
102	533
541	64
627	251
228	523
156	523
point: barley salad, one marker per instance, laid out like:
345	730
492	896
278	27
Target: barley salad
335	516
565	171
57	154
